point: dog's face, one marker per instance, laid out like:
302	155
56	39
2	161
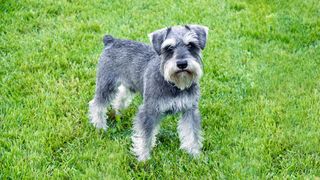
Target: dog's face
180	50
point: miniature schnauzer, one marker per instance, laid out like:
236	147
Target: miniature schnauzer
166	74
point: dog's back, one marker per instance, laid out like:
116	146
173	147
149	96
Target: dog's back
126	56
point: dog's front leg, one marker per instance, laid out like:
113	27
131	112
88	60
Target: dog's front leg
189	129
144	129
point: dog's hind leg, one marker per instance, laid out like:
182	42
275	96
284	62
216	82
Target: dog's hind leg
123	98
106	86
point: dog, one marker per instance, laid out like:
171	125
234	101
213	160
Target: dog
167	75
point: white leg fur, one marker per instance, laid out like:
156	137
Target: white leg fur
189	133
154	134
141	145
97	115
123	98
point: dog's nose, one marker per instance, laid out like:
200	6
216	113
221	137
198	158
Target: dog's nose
182	64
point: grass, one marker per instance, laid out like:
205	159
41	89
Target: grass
260	93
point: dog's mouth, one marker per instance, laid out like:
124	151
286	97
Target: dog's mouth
184	71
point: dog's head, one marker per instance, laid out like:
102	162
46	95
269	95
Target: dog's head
179	48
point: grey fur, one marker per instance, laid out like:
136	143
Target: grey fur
152	71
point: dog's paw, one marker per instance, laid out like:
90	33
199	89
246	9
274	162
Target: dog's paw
98	122
194	151
100	125
143	157
140	149
140	154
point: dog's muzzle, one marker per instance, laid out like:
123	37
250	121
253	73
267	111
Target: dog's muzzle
182	73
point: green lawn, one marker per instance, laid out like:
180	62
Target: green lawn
260	101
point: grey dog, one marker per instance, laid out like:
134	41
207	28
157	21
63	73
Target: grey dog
166	74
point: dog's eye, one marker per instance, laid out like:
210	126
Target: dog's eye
191	46
169	48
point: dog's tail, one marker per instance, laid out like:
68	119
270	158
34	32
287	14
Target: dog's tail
108	40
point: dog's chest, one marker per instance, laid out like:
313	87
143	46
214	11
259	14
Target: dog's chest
177	104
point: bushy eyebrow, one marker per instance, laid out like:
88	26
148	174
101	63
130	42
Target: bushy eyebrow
190	37
168	42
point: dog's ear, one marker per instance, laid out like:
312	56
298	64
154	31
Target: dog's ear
202	33
157	38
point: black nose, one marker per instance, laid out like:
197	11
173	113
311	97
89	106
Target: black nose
182	64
